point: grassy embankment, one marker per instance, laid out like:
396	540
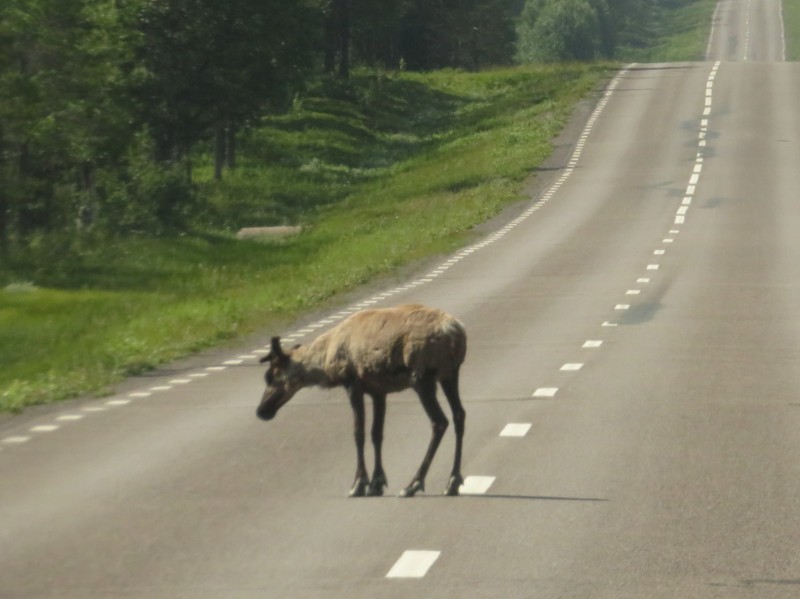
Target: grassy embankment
387	172
791	24
680	35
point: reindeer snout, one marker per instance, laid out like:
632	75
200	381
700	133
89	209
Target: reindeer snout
271	402
265	414
267	410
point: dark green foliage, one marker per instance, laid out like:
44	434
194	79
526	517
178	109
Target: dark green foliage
110	108
102	101
199	63
561	30
457	33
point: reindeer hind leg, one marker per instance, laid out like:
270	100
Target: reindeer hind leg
450	388
426	390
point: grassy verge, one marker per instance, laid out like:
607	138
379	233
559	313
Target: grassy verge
791	24
381	173
680	33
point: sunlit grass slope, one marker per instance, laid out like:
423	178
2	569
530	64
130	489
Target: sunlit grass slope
380	173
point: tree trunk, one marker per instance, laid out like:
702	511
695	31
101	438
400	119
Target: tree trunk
344	39
331	45
86	189
337	37
5	207
219	150
230	146
5	224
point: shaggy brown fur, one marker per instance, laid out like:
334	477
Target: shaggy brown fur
378	352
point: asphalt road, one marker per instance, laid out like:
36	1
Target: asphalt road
638	322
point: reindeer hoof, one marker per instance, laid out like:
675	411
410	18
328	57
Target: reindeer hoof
375	488
412	489
452	487
360	487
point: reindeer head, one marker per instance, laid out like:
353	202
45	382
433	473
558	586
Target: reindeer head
284	378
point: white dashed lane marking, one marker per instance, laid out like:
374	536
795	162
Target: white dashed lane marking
44	428
413	564
476	485
70	417
515	429
545	392
16	439
118	402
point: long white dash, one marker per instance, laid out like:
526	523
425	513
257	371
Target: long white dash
413	564
118	402
70	417
515	429
44	428
476	485
16	440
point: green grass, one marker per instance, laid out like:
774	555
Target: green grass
791	24
381	173
680	34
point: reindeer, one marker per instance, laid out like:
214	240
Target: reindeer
376	352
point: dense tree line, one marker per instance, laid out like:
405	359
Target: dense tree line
562	30
103	101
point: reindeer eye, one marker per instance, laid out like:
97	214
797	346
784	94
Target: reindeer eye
276	376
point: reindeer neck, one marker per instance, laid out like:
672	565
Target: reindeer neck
312	357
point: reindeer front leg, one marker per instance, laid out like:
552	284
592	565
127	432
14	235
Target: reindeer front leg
361	482
378	415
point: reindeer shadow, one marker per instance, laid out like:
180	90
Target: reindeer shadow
510	497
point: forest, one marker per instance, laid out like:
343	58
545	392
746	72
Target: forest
108	106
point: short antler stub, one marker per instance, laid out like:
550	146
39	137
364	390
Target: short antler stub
276	351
